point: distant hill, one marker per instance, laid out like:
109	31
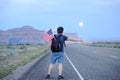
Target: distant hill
24	35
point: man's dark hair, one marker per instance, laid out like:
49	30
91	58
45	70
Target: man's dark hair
60	30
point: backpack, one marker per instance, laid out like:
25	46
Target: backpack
56	45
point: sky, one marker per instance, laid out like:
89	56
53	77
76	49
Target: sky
100	18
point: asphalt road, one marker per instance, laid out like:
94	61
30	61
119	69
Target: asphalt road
82	63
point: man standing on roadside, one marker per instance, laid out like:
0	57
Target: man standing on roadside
59	55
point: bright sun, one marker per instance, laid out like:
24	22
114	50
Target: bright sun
81	24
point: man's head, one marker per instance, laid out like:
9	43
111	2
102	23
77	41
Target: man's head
60	30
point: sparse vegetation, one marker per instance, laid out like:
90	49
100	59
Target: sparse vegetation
18	55
104	44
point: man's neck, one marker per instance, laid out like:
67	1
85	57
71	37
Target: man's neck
59	33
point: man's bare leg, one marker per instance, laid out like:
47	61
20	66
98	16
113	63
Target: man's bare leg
51	66
49	70
60	68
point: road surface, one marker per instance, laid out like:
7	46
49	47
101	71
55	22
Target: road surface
81	63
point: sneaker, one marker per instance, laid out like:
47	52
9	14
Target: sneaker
60	77
48	76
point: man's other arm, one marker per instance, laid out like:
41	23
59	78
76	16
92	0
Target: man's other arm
74	40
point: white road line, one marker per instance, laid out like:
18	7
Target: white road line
113	56
79	75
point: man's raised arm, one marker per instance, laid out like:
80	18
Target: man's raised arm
74	40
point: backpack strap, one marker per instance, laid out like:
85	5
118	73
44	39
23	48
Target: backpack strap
64	44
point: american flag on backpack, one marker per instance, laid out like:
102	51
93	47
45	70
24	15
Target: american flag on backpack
48	36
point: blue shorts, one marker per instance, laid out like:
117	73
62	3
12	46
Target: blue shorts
57	56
